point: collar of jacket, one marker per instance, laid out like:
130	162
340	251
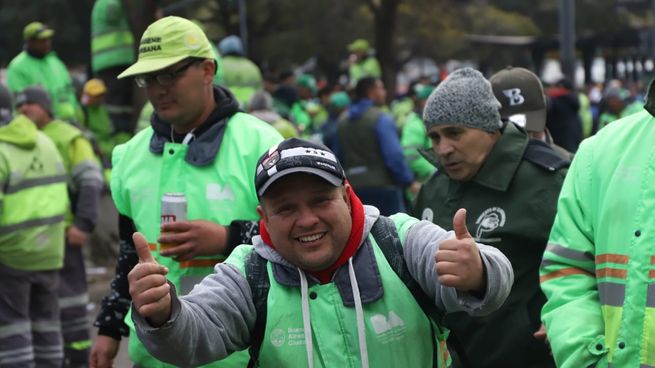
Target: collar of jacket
504	159
208	136
367	274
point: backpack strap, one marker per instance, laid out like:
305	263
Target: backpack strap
257	276
385	235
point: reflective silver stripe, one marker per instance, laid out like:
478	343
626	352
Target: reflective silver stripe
611	293
31	223
29	183
650	296
119	109
20	358
79	324
87	173
46	326
24	350
575	255
74	301
19	328
48	349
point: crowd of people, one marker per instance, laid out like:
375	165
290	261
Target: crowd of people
472	222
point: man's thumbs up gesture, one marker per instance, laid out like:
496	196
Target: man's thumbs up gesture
148	286
459	264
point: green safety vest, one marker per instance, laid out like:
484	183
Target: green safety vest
414	137
398	332
112	43
48	72
65	135
220	192
33	198
369	67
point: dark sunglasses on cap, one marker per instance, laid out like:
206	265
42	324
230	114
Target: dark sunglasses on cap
164	79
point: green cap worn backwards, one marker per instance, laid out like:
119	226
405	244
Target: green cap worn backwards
166	42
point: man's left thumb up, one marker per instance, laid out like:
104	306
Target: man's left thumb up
459	225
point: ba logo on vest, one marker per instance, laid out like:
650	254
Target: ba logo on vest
388	328
215	192
514	96
491	219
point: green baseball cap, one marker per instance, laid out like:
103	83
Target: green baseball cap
307	81
359	44
37	30
339	99
166	42
423	91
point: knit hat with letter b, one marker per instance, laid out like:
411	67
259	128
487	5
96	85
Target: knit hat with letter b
464	98
166	42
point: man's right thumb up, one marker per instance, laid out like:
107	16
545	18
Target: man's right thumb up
142	250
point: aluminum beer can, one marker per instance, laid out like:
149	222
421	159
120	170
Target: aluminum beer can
173	208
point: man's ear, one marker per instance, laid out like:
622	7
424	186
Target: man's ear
209	70
262	213
346	194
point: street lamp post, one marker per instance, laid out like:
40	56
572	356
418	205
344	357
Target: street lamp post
567	38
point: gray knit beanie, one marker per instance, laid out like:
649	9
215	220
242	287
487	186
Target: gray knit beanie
464	98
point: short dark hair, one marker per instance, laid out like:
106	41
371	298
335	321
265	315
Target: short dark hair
364	85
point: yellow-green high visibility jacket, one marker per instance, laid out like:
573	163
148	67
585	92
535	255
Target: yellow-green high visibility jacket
85	177
33	198
48	72
598	270
112	43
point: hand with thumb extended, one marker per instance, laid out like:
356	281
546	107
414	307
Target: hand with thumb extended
459	263
149	288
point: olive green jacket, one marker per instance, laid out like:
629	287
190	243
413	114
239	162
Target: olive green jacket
511	204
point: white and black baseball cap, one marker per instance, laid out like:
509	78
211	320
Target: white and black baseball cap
296	155
522	97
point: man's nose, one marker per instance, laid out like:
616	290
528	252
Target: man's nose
307	217
443	149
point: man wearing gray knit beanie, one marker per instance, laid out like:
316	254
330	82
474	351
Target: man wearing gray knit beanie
509	187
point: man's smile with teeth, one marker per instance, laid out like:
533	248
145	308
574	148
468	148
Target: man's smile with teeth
310	238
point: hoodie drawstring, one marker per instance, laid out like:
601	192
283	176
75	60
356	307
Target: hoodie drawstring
306	322
359	313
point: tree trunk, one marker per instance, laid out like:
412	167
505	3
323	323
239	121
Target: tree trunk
385	27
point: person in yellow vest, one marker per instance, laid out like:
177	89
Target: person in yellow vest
39	65
361	62
112	50
33	203
85	183
198	144
98	121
